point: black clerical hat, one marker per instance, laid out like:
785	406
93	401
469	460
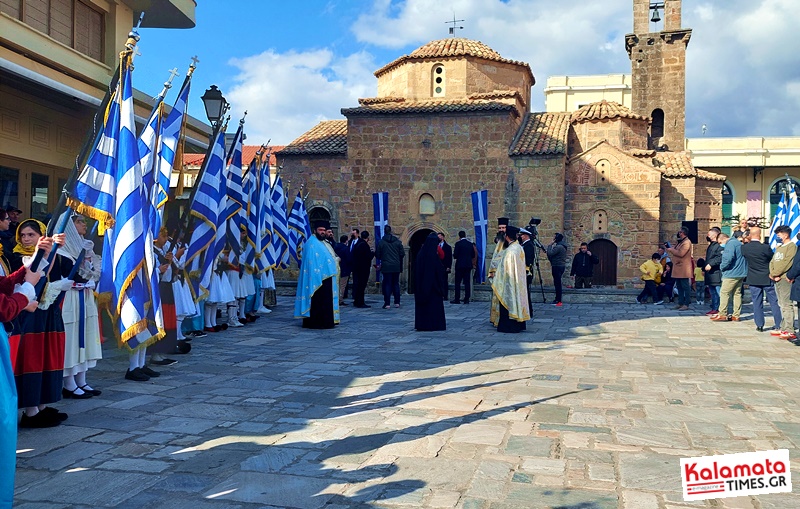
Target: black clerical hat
512	231
502	221
322	224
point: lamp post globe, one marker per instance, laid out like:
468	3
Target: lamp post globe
214	103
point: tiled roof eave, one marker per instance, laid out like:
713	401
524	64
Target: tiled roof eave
433	109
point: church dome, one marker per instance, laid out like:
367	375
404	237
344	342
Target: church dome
450	47
604	110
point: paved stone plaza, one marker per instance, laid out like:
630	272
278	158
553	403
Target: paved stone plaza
591	408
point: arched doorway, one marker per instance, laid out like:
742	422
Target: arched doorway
605	273
414	245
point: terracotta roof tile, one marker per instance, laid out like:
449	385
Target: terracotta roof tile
674	164
366	101
451	47
604	110
429	106
542	134
327	137
248	151
707	175
497	94
642	152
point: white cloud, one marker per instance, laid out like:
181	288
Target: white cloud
287	94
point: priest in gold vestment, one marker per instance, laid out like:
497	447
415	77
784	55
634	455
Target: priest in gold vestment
509	286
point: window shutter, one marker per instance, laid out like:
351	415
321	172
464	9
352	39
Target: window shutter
10	7
88	31
36	14
61	21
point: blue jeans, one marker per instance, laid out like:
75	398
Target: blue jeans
700	291
714	290
757	293
390	286
684	291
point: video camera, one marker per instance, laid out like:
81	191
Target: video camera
531	227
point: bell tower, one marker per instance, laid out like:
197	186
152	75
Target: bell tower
657	49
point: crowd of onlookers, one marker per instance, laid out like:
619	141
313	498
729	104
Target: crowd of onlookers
730	263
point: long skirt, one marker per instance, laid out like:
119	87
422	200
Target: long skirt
168	343
39	360
82	332
237	284
184	304
8	423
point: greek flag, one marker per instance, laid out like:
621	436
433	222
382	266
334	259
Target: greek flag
170	135
480	207
236	199
95	188
788	214
266	259
128	263
299	228
205	212
252	189
280	223
147	144
380	214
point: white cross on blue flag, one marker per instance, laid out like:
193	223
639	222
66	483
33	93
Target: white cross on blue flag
480	206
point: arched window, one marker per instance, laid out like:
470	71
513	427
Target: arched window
437	81
599	221
777	191
427	205
657	127
727	207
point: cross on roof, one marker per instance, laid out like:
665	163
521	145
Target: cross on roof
195	61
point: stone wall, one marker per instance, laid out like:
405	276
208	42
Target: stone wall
625	133
677	205
625	191
708	210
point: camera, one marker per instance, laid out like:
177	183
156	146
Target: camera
534	221
667	245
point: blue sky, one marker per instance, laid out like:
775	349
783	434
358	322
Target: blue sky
292	64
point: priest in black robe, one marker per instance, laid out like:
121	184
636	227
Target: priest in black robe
430	282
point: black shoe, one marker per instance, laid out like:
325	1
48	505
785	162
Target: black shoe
149	372
48	410
455	302
223	326
760	329
186	338
68	394
164	362
183	347
465	302
40	420
136	375
93	392
243	321
198	334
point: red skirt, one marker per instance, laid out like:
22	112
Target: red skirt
37	356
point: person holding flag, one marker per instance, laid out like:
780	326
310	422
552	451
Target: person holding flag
317	300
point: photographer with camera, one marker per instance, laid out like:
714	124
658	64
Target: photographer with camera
682	267
557	255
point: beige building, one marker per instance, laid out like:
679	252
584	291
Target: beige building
570	93
56	60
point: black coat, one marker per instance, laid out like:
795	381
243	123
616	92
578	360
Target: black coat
448	257
361	258
583	264
464	253
343	252
794	273
758	256
530	253
713	258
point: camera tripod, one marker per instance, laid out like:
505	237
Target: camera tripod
539	247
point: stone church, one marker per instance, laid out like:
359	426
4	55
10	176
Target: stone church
454	116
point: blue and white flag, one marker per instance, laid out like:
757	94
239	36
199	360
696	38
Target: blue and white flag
95	188
280	223
252	189
380	214
266	260
147	145
205	211
480	207
129	263
299	228
170	136
788	213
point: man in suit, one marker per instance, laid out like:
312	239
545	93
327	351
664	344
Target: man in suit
446	255
530	259
758	256
351	242
361	261
343	252
464	254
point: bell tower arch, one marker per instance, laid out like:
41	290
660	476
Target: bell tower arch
657	49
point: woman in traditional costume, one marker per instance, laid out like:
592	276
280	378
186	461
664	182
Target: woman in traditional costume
39	335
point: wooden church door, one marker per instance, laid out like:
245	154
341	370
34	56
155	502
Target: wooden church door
605	273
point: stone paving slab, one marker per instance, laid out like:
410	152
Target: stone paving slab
591	408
